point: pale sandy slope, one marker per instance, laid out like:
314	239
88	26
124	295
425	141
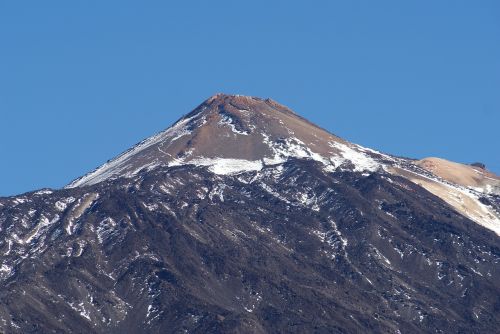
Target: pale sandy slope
461	186
465	175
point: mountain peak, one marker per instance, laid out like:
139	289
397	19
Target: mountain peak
231	132
250	103
223	97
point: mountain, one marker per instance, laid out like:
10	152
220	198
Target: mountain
229	134
244	217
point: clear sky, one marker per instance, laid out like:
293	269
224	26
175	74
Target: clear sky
81	81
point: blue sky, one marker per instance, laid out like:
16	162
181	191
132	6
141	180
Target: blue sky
81	81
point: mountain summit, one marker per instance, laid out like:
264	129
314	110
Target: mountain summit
231	134
243	217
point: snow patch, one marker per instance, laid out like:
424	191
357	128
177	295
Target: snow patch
62	204
360	160
227	120
223	166
105	229
5	271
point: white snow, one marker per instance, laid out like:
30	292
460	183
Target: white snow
274	193
150	308
151	207
226	120
308	201
40	227
44	192
19	200
217	191
62	204
290	147
222	166
320	234
360	160
116	165
475	271
80	308
381	256
9	247
366	149
105	228
339	234
5	271
81	248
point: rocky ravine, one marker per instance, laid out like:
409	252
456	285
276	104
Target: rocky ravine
244	217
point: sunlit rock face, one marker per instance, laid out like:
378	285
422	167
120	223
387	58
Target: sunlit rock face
243	217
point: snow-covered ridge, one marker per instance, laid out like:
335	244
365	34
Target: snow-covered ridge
115	166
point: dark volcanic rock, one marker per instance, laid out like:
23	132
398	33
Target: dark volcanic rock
478	164
289	248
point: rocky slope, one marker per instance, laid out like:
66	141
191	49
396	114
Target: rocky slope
244	217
